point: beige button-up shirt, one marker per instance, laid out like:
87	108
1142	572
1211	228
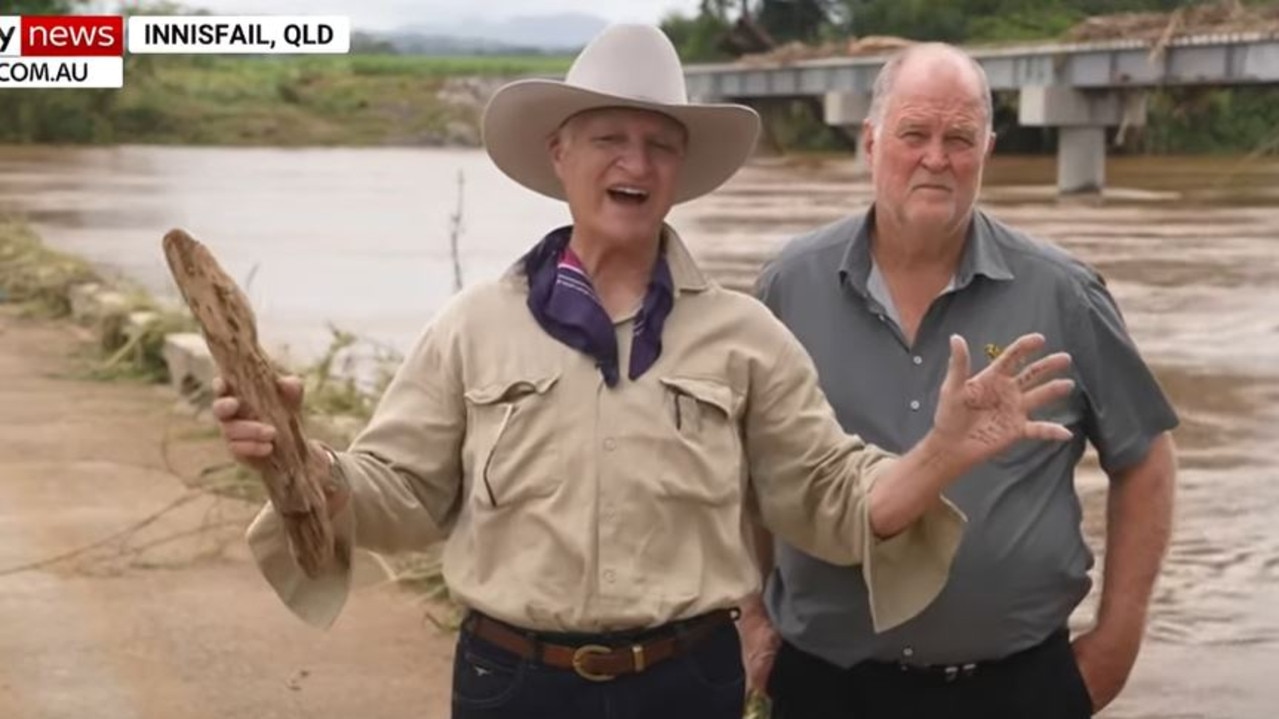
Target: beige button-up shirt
567	505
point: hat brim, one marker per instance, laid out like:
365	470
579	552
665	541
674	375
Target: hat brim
521	116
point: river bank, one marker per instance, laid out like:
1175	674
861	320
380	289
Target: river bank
288	101
121	525
169	618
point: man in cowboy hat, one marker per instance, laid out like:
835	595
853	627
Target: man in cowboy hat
589	432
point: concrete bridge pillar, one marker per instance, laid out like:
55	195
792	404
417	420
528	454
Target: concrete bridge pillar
846	111
1081	118
1081	160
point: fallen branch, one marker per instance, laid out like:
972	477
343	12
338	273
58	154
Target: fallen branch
293	474
130	530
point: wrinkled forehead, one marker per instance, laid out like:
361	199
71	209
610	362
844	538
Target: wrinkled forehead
649	120
951	109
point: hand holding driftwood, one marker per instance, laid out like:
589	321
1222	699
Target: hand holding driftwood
295	471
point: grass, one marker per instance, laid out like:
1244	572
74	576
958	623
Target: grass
480	65
35	276
39	279
282	101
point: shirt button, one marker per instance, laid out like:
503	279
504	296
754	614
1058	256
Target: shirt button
914	405
609	444
918	360
609	576
908	652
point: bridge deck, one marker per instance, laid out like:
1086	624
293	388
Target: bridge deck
1233	59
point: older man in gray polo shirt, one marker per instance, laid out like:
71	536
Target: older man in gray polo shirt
874	299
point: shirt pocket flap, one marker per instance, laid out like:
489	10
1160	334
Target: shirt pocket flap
706	391
509	390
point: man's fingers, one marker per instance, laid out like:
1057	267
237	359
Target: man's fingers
219	386
247	431
225	408
1053	364
1047	431
250	450
1009	361
959	368
1047	393
291	389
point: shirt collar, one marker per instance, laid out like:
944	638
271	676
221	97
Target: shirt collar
982	255
686	275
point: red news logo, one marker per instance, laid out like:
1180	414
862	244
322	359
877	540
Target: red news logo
63	36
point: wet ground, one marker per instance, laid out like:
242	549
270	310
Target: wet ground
1190	248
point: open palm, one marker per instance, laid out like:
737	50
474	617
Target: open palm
980	416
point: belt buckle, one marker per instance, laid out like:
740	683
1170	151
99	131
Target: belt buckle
580	653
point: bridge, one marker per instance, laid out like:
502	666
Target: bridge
1080	89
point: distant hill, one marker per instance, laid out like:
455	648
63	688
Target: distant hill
560	33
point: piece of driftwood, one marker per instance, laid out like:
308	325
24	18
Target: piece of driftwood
294	472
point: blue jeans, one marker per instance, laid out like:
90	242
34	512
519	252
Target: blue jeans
707	682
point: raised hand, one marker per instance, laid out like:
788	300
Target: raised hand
980	416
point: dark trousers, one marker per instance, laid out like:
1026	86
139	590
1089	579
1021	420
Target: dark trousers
708	682
1042	682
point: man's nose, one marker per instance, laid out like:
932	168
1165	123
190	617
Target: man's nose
635	158
935	157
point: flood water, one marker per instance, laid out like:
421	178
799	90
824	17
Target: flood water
1190	248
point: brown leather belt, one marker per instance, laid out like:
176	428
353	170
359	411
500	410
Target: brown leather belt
598	662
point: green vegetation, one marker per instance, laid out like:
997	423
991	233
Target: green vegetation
355	100
39	280
1181	120
35	277
1214	120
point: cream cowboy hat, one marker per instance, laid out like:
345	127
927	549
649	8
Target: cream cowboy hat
624	66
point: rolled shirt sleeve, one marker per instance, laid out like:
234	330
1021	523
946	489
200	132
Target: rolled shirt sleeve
404	476
811	480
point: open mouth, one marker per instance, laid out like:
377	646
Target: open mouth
627	195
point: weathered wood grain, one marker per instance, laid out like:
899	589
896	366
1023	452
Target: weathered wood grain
294	472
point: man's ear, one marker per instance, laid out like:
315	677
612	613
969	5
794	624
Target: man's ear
555	145
990	144
867	141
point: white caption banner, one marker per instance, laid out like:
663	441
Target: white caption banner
239	35
60	72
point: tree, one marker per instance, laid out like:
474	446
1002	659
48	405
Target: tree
698	39
802	20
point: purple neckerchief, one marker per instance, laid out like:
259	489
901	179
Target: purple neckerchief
563	301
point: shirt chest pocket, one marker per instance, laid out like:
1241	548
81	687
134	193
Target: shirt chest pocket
511	452
700	441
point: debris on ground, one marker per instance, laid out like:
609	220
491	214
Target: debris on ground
1210	18
851	47
1213	18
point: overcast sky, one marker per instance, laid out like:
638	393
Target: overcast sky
385	14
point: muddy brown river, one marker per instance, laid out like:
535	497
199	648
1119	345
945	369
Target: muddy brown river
359	239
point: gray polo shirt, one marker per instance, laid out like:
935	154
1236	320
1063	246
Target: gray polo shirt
1023	564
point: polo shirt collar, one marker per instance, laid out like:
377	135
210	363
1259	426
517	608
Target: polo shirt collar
982	255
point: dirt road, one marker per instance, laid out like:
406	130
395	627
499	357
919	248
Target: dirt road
186	629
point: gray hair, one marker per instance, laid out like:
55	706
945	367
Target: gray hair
886	81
